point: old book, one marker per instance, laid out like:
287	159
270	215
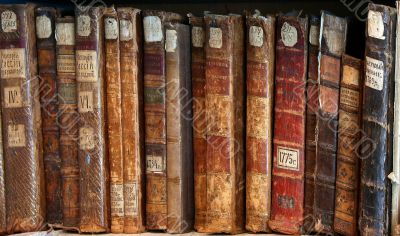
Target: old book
225	124
311	122
377	122
93	162
332	46
68	118
180	208
347	170
155	117
46	50
3	222
25	196
287	210
130	47
260	93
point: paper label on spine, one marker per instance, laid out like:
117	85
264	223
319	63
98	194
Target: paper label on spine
86	69
154	163
215	40
85	101
16	135
12	97
117	199
288	158
376	28
65	33
197	37
65	64
152	29
314	35
171	38
86	138
131	199
8	21
43	27
374	72
256	36
288	35
83	25
111	28
125	30
13	63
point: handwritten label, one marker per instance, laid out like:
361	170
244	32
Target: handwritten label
13	63
197	37
374	71
288	158
349	97
125	30
43	27
375	25
170	44
288	35
154	163
16	135
256	36
131	199
152	29
314	35
85	101
83	25
65	33
8	21
86	66
111	28
117	199
215	40
13	97
86	138
65	63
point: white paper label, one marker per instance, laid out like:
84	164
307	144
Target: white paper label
86	66
131	199
111	28
288	158
256	36
289	35
154	163
65	33
43	27
83	27
314	35
170	44
152	29
215	40
13	63
16	135
117	199
375	25
125	30
197	37
374	72
86	138
8	21
12	97
85	101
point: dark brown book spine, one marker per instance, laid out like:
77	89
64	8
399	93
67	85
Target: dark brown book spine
130	25
68	118
332	46
377	121
3	222
24	175
93	162
260	93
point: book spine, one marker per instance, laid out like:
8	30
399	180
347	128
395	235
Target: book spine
3	216
179	129
260	89
377	121
25	196
287	211
225	126
46	50
68	118
332	46
130	25
347	170
94	176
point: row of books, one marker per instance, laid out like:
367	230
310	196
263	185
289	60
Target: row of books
125	121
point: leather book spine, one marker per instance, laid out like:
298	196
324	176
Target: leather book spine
377	121
131	63
68	118
347	170
23	156
180	207
3	222
46	50
93	162
225	124
287	210
260	94
332	46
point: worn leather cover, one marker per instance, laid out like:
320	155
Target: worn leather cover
3	222
260	94
179	129
287	209
155	117
332	46
68	119
347	171
93	162
23	156
46	50
130	23
225	124
377	121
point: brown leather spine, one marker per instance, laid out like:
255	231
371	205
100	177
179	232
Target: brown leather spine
333	44
347	170
68	118
46	49
225	124
130	23
3	222
155	117
260	90
93	162
22	133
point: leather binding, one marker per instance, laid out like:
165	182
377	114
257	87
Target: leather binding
287	210
3	222
332	46
130	45
155	117
46	50
68	119
311	123
347	170
23	156
225	124
199	120
260	90
180	217
93	162
377	122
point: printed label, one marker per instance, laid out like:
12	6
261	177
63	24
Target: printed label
154	163
288	158
8	21
152	29
111	28
43	27
125	30
197	37
65	33
375	25
65	64
13	63
86	138
349	97
374	73
67	93
314	35
170	44
16	135
288	35
12	97
256	36
215	40
83	26
117	199
131	199
85	101
86	66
